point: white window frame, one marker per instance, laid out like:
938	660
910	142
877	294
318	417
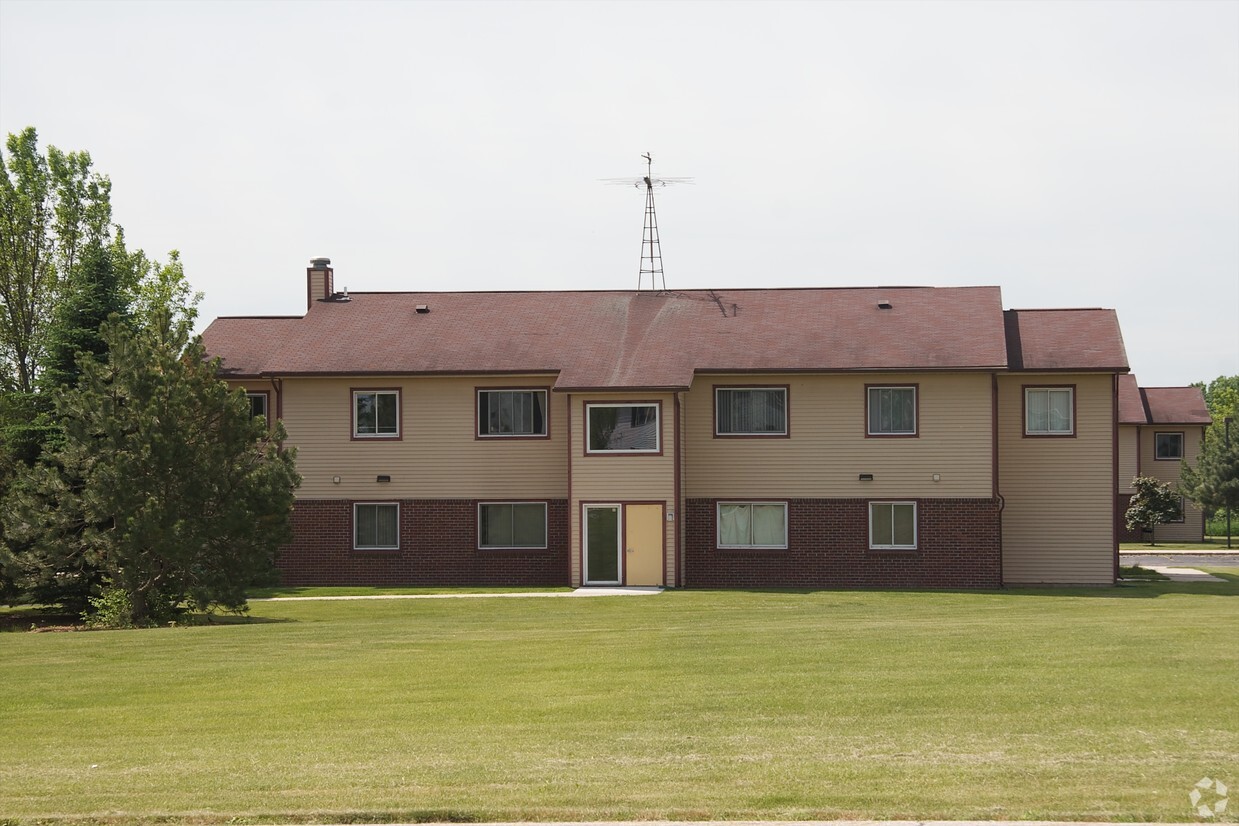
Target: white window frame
1071	411
658	436
1182	445
916	424
718	526
718	391
529	390
376	394
915	527
357	547
545	527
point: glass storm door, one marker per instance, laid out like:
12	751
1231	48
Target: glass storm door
602	545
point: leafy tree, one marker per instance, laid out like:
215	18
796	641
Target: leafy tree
163	481
1222	399
51	208
1153	504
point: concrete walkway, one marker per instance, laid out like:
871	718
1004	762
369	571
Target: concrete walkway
1176	574
579	592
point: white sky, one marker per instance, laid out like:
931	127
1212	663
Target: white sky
1073	153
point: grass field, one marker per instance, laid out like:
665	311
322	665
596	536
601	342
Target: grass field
1064	704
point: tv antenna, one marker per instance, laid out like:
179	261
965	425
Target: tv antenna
651	247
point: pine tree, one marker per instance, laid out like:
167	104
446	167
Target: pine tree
163	482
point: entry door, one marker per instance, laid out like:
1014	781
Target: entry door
623	544
643	544
602	531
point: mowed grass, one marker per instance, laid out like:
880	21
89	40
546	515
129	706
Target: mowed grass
1066	704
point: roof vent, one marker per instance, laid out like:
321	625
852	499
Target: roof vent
319	263
423	308
884	304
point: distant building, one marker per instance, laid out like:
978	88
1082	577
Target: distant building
901	437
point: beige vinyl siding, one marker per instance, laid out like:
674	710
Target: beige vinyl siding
438	456
1168	470
827	449
318	284
609	478
1129	456
1057	522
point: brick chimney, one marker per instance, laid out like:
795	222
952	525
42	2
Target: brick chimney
318	281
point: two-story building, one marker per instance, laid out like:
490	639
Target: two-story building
1160	428
894	436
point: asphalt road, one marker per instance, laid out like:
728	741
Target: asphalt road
1184	560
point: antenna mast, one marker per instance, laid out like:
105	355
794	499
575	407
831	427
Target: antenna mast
651	247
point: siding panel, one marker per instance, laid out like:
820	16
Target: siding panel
1056	524
828	450
437	456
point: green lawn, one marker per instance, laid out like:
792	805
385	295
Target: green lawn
1211	543
1064	704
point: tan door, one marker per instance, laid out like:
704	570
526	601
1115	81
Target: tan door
643	544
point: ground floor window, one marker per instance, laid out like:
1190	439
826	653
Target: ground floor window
892	525
512	525
752	525
376	526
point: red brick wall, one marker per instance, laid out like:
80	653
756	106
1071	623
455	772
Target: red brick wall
959	543
438	546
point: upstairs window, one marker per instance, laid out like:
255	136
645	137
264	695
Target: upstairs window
1049	411
892	411
258	404
750	411
622	428
507	413
1168	445
376	414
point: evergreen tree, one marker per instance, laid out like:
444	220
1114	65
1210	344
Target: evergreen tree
163	482
1153	504
1214	482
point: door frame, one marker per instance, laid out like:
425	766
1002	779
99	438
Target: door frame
621	505
619	542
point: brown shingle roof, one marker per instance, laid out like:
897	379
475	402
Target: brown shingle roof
1131	402
1176	405
1077	340
622	339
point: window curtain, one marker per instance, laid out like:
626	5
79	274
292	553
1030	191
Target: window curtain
752	411
892	410
752	525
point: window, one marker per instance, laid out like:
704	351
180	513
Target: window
1168	445
892	411
750	411
376	414
511	413
1182	517
258	404
892	525
752	525
512	525
621	428
376	526
1049	411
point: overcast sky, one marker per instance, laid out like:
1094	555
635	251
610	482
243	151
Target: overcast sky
1077	154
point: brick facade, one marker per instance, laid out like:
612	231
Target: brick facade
959	546
438	546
